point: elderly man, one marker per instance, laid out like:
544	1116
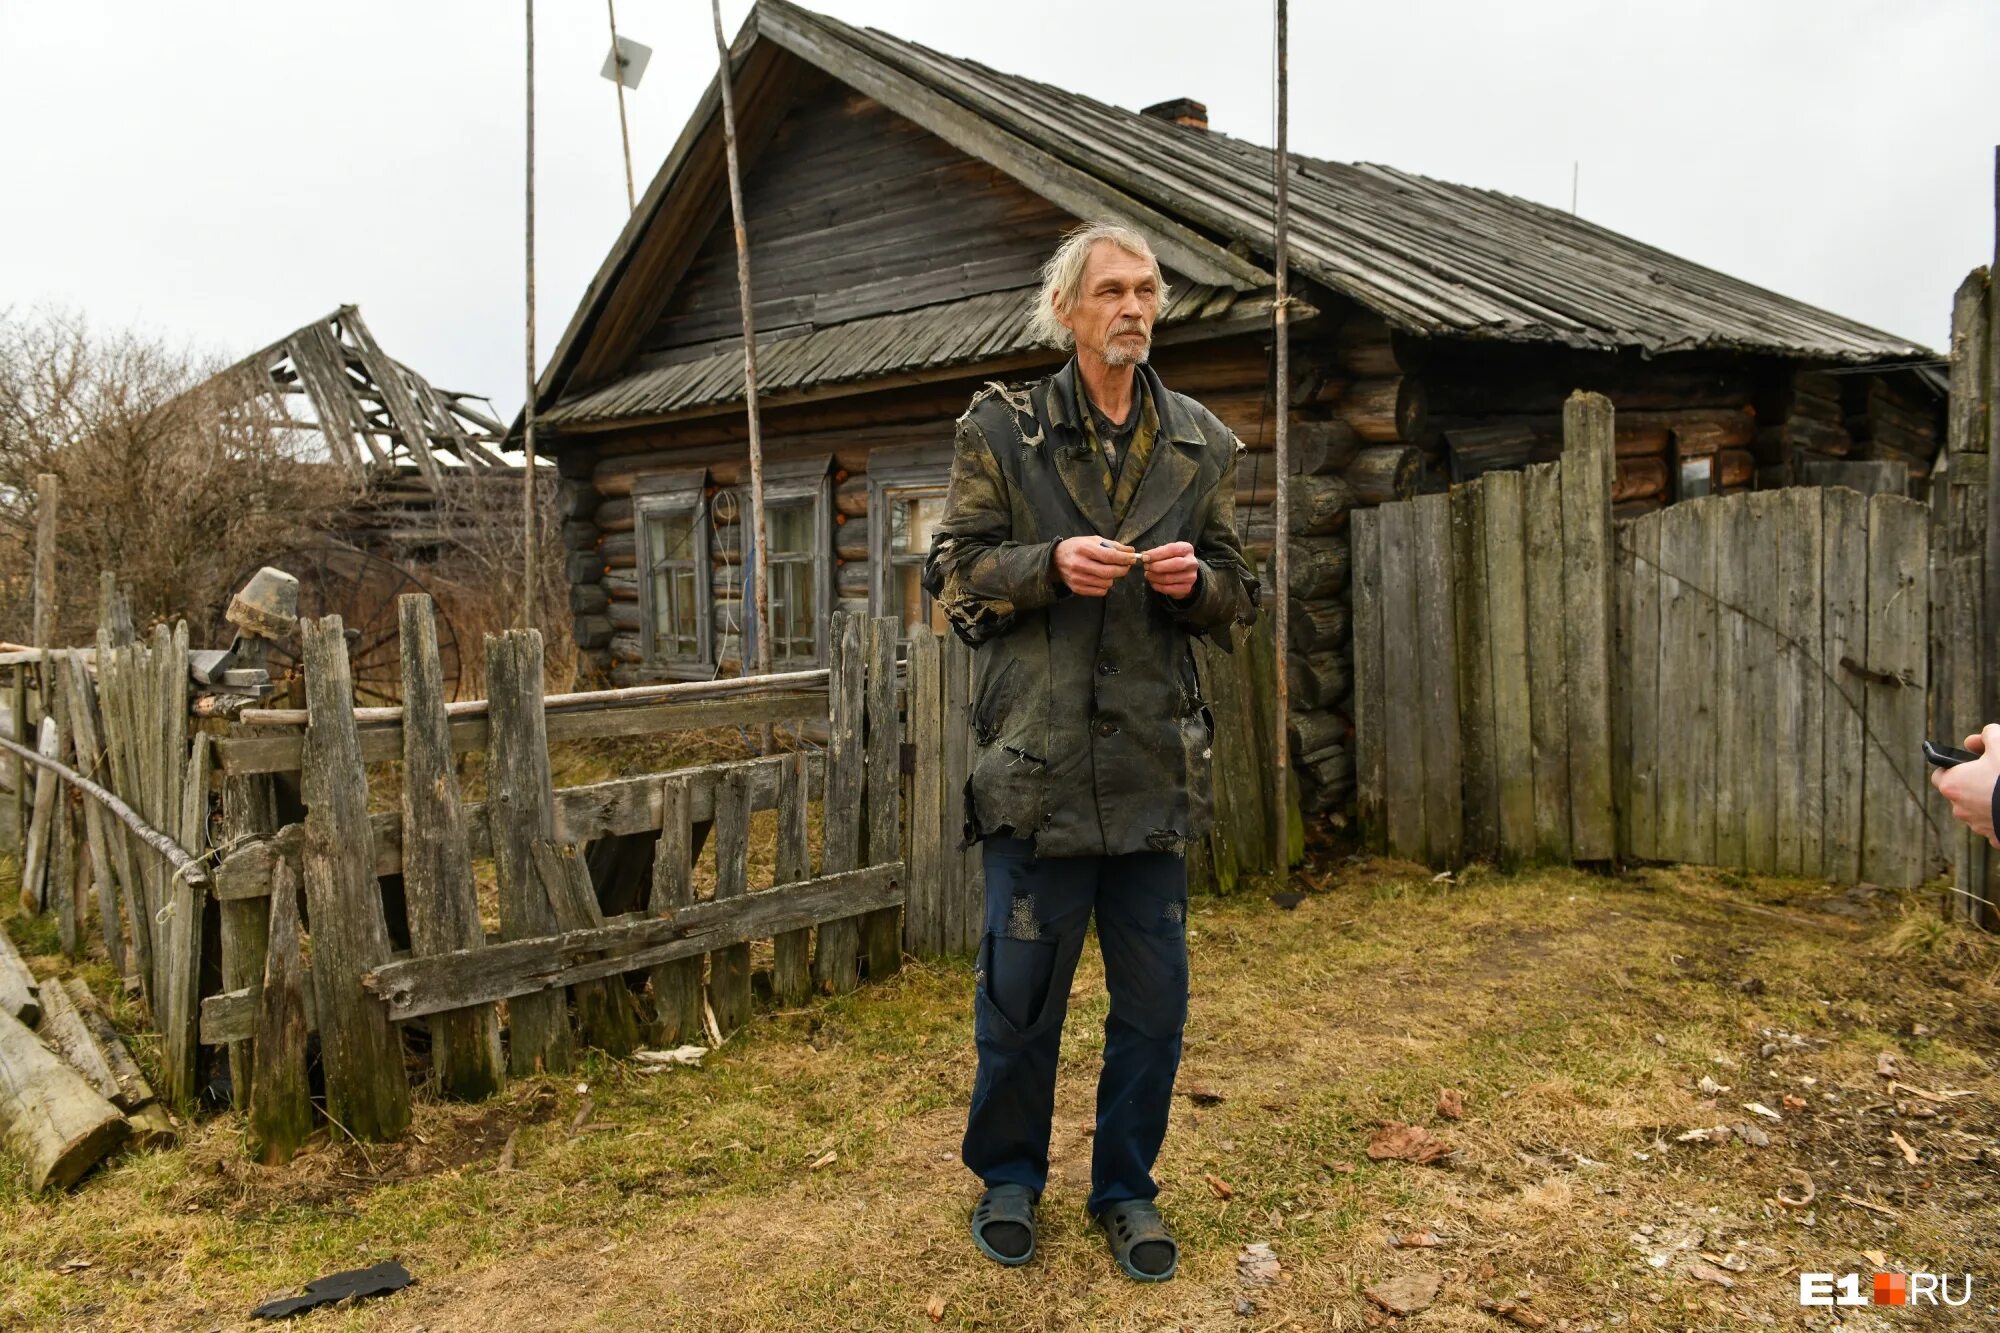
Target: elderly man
1089	533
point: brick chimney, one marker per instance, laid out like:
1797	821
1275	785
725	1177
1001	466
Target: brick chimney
1180	111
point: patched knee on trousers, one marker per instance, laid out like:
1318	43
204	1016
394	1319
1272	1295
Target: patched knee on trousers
1176	912
1021	923
1016	978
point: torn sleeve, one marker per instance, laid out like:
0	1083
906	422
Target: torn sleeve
980	576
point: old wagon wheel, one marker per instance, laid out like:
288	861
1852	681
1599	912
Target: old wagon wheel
362	590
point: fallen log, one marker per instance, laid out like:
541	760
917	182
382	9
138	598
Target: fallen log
50	1118
151	1126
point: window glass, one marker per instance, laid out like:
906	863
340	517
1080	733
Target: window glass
913	516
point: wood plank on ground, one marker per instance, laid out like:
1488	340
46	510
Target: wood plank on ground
1507	623
1548	681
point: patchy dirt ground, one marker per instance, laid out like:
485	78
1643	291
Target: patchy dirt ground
807	1176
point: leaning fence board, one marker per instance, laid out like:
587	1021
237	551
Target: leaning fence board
367	1093
791	950
1470	601
1507	622
1370	747
1898	596
437	861
1844	636
419	986
1796	750
280	1097
882	932
605	1014
1586	471
675	986
1681	568
99	828
178	986
35	850
1548	690
1437	674
520	809
729	966
835	964
923	915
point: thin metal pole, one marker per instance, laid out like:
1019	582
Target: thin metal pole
1281	617
528	534
618	82
1989	656
761	566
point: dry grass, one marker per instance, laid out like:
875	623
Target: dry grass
1575	1013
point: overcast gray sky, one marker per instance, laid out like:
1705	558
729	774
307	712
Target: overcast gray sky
221	173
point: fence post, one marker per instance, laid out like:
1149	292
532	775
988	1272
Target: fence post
923	923
881	930
437	858
280	1092
520	809
676	985
1588	465
101	829
1960	531
834	965
791	950
1370	750
367	1093
729	966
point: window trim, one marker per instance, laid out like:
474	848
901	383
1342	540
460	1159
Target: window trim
658	497
797	482
897	468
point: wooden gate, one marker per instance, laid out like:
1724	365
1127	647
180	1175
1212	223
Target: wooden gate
1735	681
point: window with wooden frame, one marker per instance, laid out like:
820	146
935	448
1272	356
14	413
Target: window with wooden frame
670	516
906	493
798	524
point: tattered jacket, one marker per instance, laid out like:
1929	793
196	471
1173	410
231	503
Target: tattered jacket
1092	733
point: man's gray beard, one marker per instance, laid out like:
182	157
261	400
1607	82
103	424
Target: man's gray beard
1116	355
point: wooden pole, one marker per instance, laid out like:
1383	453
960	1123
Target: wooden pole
618	82
761	566
48	498
528	560
184	865
1989	655
1280	567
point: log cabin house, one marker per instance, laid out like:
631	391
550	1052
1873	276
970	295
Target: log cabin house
898	204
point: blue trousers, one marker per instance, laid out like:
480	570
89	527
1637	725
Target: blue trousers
1037	910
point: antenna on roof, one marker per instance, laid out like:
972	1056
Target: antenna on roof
625	65
1575	172
528	553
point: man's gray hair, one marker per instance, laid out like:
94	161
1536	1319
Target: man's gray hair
1062	277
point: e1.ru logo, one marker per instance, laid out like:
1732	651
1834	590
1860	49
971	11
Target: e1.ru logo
1888	1289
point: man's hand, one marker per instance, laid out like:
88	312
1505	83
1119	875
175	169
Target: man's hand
1969	787
1088	565
1171	570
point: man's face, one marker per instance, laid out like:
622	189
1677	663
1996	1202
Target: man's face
1116	305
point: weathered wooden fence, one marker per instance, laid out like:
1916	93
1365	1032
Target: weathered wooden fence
1481	661
571	962
1734	681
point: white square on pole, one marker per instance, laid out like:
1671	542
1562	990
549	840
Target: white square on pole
626	62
